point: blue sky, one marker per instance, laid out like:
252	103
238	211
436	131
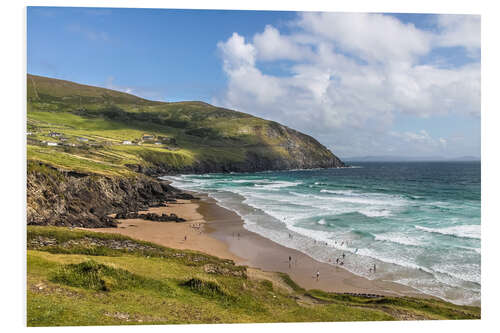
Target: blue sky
362	84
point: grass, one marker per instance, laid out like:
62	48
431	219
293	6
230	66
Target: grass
203	134
134	282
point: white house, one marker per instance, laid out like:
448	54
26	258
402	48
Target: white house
83	139
127	142
51	143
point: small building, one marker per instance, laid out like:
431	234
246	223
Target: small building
148	137
52	144
127	142
83	139
54	134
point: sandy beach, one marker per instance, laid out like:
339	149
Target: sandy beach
214	230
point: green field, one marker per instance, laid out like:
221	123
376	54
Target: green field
93	125
87	278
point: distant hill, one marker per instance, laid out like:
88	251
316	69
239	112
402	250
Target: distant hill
393	158
102	131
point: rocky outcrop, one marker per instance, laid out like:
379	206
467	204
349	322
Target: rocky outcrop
150	217
60	198
41	242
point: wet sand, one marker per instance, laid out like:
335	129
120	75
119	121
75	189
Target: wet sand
218	236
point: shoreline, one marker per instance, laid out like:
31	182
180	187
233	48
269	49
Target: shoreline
256	251
214	230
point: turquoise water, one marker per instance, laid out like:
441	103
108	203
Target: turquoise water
419	223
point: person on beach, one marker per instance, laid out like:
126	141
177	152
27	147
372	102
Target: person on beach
343	255
317	276
337	261
289	261
185	238
238	235
374	268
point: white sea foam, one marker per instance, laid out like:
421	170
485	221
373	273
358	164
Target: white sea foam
463	231
399	238
365	200
375	212
340	192
452	273
278	184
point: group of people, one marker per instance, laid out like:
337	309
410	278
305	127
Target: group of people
197	227
340	262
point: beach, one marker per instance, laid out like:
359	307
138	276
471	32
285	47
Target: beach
214	230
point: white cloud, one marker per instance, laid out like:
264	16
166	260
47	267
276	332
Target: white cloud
351	75
373	37
460	30
237	53
271	45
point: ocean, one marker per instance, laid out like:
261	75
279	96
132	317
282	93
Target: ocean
418	222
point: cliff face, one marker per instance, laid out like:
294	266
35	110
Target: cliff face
295	151
61	198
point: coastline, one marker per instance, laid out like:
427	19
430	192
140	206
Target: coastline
214	230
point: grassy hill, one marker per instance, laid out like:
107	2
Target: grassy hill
102	131
84	278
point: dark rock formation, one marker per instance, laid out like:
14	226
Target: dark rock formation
150	216
60	198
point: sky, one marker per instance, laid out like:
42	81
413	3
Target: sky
363	84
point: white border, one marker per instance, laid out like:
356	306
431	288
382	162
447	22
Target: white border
13	120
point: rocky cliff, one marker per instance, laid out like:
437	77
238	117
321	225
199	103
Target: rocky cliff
60	198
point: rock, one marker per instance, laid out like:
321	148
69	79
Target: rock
59	198
150	217
215	269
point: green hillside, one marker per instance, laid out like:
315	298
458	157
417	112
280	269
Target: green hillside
103	131
86	278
